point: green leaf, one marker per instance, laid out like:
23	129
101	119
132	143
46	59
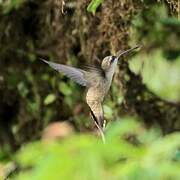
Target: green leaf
65	89
23	90
94	4
49	99
171	21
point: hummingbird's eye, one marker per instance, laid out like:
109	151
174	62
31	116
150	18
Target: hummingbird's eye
112	59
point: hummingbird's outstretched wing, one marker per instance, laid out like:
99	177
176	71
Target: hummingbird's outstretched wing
75	74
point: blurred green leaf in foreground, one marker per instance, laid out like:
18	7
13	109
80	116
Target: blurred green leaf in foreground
140	154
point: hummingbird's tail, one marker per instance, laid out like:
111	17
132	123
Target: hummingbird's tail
100	124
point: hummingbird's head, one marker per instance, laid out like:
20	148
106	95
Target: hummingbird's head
109	62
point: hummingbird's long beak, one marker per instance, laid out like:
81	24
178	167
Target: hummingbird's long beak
128	51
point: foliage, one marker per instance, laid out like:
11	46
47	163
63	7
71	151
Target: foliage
147	85
9	5
140	154
159	65
161	76
94	5
49	99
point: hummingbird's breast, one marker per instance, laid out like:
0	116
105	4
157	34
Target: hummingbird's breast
97	91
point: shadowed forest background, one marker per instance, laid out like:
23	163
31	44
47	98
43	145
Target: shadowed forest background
37	104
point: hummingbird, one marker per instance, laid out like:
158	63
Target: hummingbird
97	81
